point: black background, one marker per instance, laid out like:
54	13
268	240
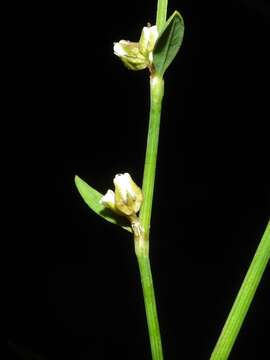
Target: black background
74	288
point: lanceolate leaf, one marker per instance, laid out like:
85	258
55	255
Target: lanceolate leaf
92	198
168	43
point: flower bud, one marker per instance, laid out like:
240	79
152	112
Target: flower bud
138	55
130	55
108	200
127	198
148	40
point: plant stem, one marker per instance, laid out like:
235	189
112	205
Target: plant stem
156	95
142	227
141	230
142	234
161	14
243	300
150	307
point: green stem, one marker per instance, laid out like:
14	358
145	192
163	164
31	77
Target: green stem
156	95
141	227
161	14
150	307
243	300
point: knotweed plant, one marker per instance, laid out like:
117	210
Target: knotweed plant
130	206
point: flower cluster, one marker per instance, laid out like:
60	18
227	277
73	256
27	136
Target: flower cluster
127	198
138	55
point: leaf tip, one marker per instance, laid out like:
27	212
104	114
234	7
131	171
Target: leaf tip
77	180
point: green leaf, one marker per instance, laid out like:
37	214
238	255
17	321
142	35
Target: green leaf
168	43
92	198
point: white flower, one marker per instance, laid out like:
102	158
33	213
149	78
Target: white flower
126	199
148	40
118	48
138	55
130	54
108	200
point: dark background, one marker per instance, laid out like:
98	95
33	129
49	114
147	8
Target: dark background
73	281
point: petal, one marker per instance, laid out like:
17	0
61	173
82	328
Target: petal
108	200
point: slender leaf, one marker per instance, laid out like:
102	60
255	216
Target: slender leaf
168	43
92	198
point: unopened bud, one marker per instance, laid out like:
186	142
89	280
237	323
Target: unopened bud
148	40
127	198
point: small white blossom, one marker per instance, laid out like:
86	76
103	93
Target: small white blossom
138	55
148	40
127	198
108	200
118	48
123	183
